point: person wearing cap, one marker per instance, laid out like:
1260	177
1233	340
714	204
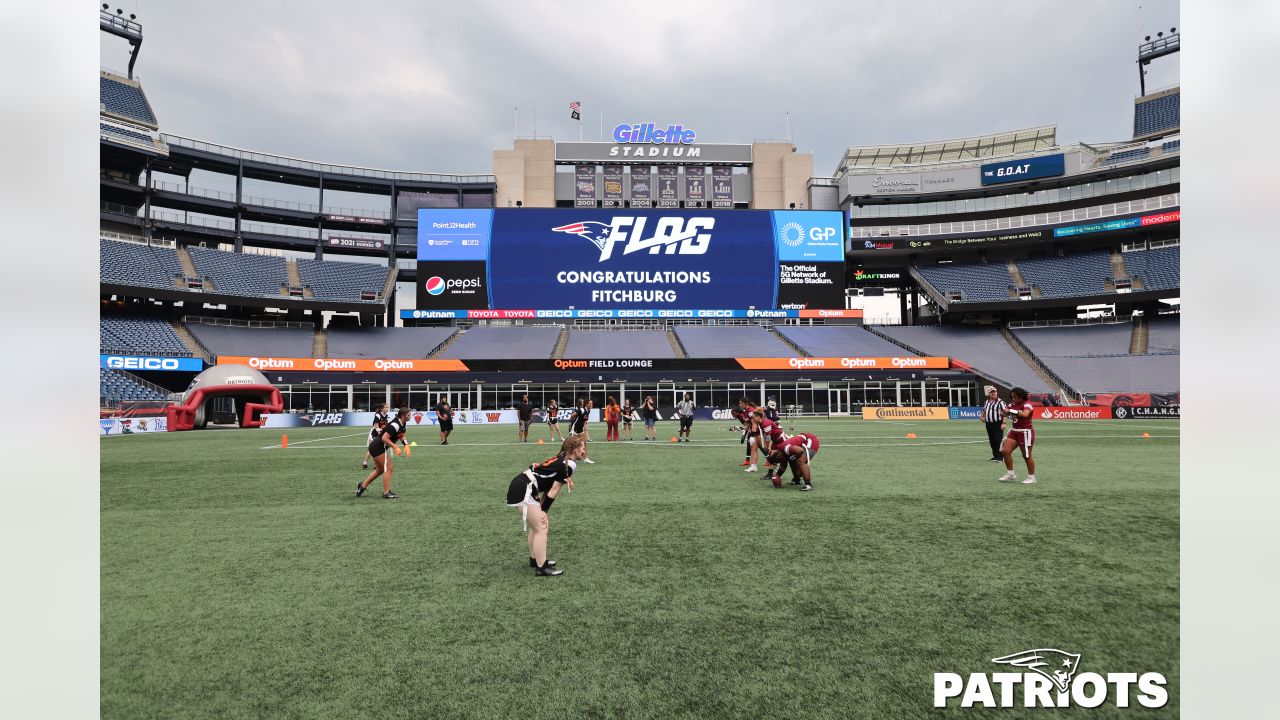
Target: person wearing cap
993	418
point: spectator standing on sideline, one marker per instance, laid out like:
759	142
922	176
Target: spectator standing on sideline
649	411
612	414
524	414
685	410
993	418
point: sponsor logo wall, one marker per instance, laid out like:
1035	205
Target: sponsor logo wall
344	365
142	362
132	426
632	259
1072	413
530	313
905	413
965	413
1025	169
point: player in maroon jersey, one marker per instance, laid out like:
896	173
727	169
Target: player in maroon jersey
1022	435
750	432
795	452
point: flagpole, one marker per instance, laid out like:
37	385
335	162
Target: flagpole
601	126
513	137
579	125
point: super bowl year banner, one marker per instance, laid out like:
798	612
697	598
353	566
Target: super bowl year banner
641	187
561	259
668	193
695	186
721	187
584	186
612	176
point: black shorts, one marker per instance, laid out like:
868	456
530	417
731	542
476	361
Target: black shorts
519	491
377	448
686	423
553	421
626	419
446	425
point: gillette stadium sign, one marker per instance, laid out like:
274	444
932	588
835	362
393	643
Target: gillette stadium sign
652	143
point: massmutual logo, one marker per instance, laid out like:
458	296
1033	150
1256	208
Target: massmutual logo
671	235
1048	679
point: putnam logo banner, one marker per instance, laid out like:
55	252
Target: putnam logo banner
906	413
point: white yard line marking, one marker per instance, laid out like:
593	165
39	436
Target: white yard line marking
304	442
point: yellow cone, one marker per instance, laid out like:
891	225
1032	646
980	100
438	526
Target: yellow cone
413	444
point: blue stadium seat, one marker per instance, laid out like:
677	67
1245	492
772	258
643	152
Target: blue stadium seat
127	134
386	342
984	348
597	344
726	341
1156	115
1068	276
1159	269
985	281
243	274
136	335
342	281
115	387
504	343
121	98
838	341
126	263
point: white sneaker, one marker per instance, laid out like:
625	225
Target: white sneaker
1031	480
589	461
1008	477
751	469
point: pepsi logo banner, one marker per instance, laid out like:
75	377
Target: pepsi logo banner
629	259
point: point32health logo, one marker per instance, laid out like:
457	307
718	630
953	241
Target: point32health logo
1048	680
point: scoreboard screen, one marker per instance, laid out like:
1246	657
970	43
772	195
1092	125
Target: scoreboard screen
629	263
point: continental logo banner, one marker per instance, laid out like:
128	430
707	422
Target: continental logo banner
846	363
906	413
344	365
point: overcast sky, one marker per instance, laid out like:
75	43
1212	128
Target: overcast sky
433	86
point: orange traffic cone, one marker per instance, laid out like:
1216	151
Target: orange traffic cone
674	439
1146	435
911	436
540	442
284	441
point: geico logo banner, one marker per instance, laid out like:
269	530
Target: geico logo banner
670	234
135	362
906	413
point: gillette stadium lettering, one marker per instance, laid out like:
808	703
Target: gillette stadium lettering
651	133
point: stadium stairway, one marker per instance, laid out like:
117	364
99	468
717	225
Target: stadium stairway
189	270
295	281
320	344
1039	367
445	345
191	342
800	352
1118	270
562	342
676	347
1141	332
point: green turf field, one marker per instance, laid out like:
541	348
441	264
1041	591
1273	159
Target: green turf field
240	580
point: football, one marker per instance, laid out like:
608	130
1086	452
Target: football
777	480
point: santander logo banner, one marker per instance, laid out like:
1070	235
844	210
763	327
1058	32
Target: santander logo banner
1073	413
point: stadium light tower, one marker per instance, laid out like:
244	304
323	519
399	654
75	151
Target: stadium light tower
1151	49
120	26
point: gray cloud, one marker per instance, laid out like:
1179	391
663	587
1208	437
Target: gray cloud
432	87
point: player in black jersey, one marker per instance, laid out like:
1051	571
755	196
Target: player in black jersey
553	421
380	440
379	415
627	413
444	416
578	426
535	489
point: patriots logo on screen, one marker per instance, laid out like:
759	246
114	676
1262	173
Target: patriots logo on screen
671	235
1056	665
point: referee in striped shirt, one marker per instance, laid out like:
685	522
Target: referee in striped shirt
993	418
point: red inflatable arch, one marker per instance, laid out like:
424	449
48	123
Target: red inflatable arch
250	391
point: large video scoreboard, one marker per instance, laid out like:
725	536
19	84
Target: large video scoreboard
531	262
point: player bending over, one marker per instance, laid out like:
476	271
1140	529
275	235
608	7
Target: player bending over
382	439
535	489
796	452
1021	435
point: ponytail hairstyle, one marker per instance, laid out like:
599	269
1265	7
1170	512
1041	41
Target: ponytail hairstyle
570	445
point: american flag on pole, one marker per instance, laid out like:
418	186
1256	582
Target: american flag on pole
575	108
